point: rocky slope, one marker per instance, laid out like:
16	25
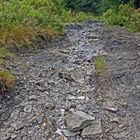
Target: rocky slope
59	95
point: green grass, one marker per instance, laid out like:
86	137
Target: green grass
124	16
98	64
5	54
21	21
7	80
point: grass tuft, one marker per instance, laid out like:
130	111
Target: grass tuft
99	64
7	80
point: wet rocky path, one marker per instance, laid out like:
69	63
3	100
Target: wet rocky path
59	95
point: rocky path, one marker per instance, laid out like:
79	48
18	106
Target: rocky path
59	95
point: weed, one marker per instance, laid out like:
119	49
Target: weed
99	64
7	80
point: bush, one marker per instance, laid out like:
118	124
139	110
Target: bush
123	16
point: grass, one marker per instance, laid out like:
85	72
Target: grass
99	64
7	80
22	21
5	54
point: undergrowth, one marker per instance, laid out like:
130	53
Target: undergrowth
22	21
124	16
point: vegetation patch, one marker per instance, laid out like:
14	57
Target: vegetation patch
98	64
22	21
7	81
6	78
124	16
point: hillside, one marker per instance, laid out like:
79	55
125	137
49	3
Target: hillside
69	71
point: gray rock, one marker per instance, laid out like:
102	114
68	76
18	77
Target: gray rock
5	136
39	119
121	113
92	130
68	133
13	136
28	108
18	125
77	120
33	97
41	89
90	71
121	135
23	114
110	106
49	106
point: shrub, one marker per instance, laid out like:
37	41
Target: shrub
123	16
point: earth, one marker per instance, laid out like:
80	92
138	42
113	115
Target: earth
59	95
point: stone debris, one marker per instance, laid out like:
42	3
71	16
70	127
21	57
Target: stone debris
77	120
39	119
92	130
14	136
58	89
33	97
5	136
110	105
28	108
18	125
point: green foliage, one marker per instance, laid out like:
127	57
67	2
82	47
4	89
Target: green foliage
123	16
96	6
6	78
22	20
99	64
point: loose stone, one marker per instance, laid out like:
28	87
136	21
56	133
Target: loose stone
28	108
77	120
92	130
